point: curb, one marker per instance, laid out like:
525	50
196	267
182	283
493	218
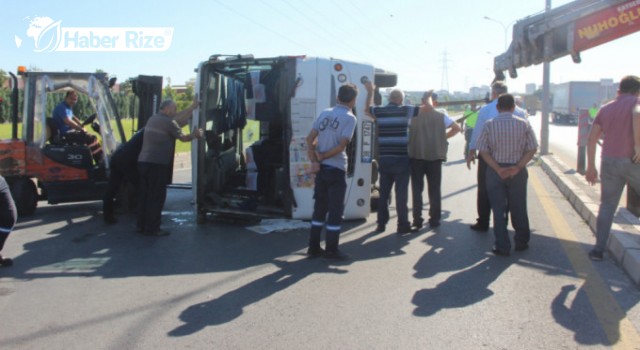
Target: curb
624	242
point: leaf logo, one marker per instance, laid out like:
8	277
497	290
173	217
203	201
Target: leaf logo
45	32
49	38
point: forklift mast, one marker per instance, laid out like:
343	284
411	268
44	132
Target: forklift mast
148	89
14	106
567	30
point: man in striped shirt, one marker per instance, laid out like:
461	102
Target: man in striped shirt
486	113
507	144
393	159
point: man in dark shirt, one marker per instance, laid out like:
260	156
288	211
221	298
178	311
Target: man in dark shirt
158	146
123	168
8	217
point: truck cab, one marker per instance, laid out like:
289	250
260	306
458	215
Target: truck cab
256	114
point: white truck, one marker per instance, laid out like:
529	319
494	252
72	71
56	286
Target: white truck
571	97
256	113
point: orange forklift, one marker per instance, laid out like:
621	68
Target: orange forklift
38	165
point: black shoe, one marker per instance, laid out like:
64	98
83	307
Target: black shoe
499	252
521	247
416	226
434	224
479	228
5	262
336	255
596	255
403	229
313	253
381	228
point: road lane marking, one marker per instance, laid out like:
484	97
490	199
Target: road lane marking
619	330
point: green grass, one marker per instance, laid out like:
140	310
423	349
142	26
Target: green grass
5	134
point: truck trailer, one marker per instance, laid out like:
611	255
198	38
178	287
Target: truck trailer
571	97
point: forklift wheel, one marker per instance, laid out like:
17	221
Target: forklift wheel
25	195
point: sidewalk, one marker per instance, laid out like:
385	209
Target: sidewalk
624	243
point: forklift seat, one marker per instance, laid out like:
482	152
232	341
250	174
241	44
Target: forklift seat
53	133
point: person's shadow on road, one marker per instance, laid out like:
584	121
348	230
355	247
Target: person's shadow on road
457	249
461	289
231	305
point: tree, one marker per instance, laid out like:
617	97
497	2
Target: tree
167	92
3	78
188	93
126	86
5	98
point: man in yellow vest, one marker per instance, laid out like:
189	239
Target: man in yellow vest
471	114
593	111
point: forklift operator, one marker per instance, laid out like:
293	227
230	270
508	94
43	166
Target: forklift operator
70	127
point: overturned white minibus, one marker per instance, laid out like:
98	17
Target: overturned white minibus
256	114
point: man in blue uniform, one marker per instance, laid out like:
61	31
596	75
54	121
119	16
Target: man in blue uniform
331	133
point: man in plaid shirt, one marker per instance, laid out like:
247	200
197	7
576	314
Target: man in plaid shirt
507	144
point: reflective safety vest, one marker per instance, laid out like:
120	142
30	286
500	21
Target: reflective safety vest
471	119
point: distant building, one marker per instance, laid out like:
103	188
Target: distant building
183	88
479	92
608	89
179	89
530	88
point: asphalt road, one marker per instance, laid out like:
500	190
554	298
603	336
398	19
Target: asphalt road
78	284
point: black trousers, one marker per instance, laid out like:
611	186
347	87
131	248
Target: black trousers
483	205
432	169
8	212
328	208
153	193
118	176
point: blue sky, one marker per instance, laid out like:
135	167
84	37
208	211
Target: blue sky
414	38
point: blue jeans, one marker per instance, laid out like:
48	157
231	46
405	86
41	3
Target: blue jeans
329	192
511	195
432	169
614	175
467	137
398	173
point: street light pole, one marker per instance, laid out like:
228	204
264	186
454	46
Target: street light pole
504	27
546	106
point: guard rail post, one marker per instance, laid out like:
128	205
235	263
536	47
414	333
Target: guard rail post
583	139
633	201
